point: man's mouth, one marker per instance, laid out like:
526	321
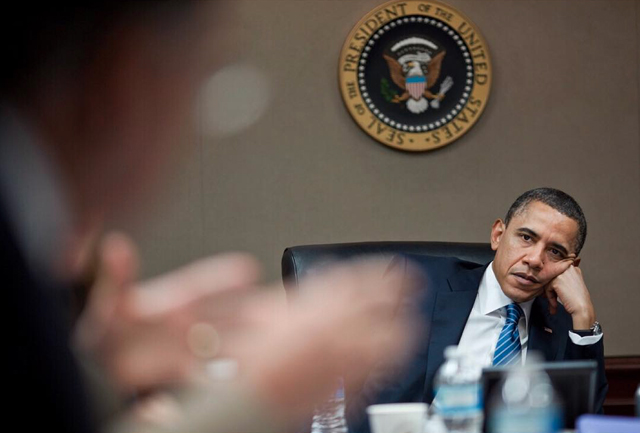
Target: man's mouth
525	278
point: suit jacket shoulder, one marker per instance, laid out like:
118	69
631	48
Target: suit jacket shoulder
443	273
45	389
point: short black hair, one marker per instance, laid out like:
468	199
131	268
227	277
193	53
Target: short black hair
558	200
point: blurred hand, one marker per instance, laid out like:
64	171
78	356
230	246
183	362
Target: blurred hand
346	320
144	333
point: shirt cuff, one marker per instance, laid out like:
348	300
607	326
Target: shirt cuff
587	340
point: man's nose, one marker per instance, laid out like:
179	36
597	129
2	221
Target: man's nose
535	258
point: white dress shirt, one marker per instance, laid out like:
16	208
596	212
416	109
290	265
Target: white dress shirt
488	317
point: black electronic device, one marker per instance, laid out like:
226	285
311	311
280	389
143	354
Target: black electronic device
573	381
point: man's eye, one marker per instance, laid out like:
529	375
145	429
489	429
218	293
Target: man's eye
525	237
556	254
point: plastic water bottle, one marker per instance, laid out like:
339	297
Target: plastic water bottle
458	400
329	417
525	402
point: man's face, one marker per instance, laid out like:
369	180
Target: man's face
536	246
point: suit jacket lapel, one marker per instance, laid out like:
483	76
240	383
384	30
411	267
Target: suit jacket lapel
546	334
450	313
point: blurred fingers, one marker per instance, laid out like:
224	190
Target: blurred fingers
207	280
117	268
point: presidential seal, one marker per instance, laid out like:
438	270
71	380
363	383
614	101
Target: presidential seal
415	75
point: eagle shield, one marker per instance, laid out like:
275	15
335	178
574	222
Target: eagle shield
416	86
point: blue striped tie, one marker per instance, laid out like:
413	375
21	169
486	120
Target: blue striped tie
508	349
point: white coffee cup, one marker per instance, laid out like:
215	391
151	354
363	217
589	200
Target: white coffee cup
397	418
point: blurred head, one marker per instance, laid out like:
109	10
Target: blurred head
544	230
109	89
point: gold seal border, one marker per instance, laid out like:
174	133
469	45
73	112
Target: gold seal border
368	121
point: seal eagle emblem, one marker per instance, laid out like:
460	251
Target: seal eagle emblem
415	67
415	74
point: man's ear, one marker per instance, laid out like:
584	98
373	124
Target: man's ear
497	230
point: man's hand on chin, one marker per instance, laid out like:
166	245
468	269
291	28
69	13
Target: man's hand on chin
569	288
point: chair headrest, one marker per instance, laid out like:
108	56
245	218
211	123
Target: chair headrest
297	261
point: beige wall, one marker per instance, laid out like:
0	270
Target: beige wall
564	112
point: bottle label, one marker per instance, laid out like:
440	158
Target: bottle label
462	399
329	417
525	420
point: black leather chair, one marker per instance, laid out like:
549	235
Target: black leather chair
297	261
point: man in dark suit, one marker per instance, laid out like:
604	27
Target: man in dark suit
464	304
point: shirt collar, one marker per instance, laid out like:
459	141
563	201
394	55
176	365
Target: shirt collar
491	297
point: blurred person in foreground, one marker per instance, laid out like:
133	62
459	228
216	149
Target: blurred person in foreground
95	104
